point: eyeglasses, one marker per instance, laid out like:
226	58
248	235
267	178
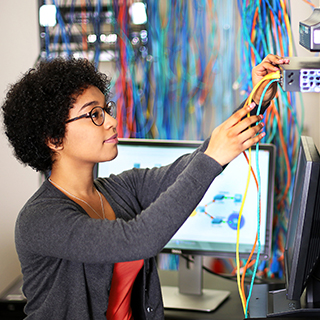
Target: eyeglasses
97	114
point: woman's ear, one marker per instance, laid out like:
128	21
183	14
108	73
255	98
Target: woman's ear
54	144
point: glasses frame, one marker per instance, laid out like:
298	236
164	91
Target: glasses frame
110	109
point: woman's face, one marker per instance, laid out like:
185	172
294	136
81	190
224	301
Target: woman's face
84	142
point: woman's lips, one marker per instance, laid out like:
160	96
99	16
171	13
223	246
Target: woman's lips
113	139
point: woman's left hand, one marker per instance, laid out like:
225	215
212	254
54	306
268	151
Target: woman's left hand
269	64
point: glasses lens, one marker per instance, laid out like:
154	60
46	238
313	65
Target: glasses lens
97	116
111	109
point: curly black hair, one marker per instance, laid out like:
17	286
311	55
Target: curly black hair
37	106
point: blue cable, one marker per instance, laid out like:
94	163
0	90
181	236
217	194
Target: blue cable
47	42
97	29
258	202
64	35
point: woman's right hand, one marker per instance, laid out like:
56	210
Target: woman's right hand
235	135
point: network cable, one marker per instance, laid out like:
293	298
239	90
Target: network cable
277	76
271	77
265	29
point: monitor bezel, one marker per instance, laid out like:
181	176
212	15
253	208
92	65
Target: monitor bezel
304	258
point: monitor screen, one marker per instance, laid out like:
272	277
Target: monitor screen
212	228
302	246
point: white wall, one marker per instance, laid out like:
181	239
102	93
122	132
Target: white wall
19	50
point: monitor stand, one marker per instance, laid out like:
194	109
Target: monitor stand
190	295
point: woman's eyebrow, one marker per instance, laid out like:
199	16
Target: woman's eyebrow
91	103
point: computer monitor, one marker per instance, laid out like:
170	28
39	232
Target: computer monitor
212	227
302	248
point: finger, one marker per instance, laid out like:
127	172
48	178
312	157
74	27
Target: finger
251	132
244	124
265	67
251	136
237	116
270	64
275	59
252	141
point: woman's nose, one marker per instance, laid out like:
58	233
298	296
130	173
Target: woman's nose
110	121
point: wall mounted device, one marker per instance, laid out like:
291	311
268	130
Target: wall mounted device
309	31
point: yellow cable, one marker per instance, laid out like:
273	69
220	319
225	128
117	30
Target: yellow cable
269	76
238	237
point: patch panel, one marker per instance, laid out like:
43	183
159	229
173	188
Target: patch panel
301	74
310	80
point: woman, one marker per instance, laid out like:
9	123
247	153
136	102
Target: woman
86	246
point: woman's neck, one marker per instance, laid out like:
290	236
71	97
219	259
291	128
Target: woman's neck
76	181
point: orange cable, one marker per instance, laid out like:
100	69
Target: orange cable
308	2
84	26
253	33
249	264
285	155
279	34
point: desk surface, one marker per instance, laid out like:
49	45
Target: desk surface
230	309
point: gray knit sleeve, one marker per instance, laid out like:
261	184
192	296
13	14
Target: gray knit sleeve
52	225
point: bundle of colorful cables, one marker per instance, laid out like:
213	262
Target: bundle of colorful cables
179	80
191	68
265	29
272	77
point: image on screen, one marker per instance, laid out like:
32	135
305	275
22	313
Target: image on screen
212	226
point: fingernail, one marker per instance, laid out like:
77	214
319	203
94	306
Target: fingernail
251	105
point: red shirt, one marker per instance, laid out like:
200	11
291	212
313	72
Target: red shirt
124	274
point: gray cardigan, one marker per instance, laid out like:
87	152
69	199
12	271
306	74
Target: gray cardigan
67	258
